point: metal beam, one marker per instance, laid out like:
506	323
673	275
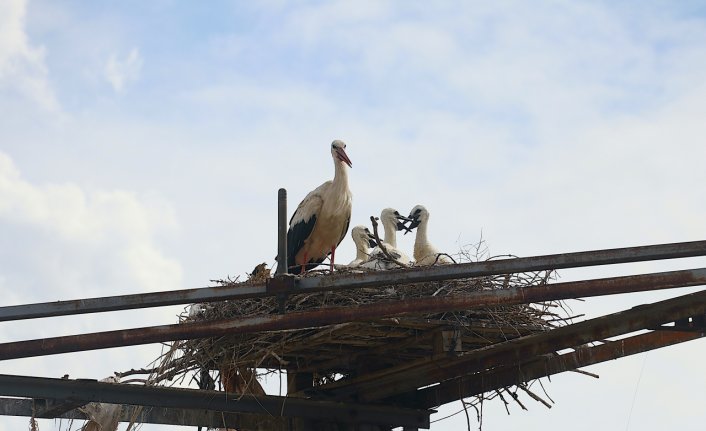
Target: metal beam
546	365
47	388
507	266
335	315
165	416
349	281
407	377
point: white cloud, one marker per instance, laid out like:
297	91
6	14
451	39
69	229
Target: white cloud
121	72
87	236
551	132
22	67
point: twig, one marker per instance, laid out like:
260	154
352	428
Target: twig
133	371
504	401
380	243
596	376
516	398
481	398
438	255
143	381
465	410
545	391
534	396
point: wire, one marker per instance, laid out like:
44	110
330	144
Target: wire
634	395
446	417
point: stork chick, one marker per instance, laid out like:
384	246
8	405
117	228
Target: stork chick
364	241
321	220
392	222
424	252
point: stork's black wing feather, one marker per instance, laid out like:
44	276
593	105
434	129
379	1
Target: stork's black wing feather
296	235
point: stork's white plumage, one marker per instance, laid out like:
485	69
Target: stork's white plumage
391	223
424	252
321	220
363	240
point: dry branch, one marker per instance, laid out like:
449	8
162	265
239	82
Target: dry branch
373	220
346	350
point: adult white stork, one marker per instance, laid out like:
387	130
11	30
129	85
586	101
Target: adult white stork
321	220
364	241
392	221
424	252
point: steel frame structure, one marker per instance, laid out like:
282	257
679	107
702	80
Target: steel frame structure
384	398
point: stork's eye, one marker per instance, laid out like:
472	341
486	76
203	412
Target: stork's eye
396	213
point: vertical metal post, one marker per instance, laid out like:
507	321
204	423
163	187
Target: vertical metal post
281	232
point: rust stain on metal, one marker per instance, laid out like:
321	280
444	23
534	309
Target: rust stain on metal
335	315
283	283
389	382
541	366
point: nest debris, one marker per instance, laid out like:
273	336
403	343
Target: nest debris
341	351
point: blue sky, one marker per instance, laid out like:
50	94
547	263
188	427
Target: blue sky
142	144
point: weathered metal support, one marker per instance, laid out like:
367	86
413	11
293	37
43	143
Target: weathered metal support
50	408
298	381
334	315
506	266
281	232
349	281
546	365
164	416
40	387
407	377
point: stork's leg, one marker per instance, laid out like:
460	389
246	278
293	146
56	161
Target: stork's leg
333	255
306	259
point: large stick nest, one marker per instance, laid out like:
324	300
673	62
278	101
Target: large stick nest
337	351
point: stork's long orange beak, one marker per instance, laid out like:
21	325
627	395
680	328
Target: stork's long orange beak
342	156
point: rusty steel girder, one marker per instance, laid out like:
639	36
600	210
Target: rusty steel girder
410	376
541	366
351	281
335	315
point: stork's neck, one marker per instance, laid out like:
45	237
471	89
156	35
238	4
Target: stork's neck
361	252
421	239
340	177
390	232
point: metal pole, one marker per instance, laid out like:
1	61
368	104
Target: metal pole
335	315
282	232
350	281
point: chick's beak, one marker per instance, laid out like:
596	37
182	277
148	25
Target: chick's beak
401	224
342	156
414	224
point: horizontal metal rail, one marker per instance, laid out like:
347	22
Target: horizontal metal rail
349	281
165	416
154	396
335	315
